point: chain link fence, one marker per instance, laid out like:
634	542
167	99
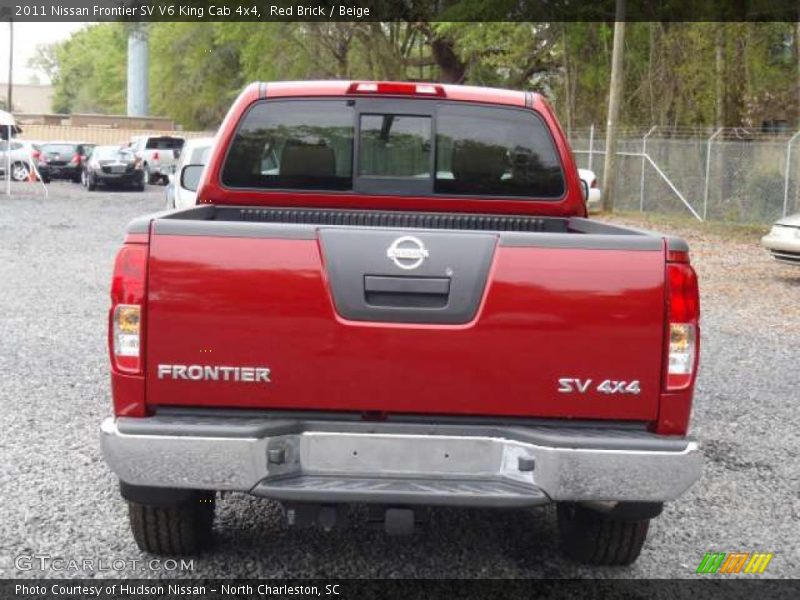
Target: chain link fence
736	175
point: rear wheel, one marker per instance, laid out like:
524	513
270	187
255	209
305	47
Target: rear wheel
150	177
595	538
91	182
19	171
177	529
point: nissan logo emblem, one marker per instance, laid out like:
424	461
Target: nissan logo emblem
407	252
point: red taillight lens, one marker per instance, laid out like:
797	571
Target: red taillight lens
35	155
594	183
155	155
127	307
683	315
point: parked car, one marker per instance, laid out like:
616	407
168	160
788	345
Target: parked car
63	160
158	154
112	166
194	152
359	309
594	201
24	154
783	240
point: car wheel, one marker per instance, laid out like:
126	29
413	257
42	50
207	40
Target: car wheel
19	171
173	530
594	538
91	183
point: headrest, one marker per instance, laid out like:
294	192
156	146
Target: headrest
474	161
307	160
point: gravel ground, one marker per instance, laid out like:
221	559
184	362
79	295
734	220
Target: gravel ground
60	499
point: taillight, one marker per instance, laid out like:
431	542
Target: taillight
155	155
594	183
127	308
397	88
683	312
76	159
35	155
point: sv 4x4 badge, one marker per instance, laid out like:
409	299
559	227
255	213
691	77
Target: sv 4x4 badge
569	385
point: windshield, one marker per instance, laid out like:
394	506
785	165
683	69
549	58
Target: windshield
199	155
164	143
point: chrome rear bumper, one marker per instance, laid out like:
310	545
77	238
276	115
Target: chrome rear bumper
326	461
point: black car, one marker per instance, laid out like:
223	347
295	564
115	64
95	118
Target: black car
63	160
112	165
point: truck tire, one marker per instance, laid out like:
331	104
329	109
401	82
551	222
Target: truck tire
174	530
594	538
150	177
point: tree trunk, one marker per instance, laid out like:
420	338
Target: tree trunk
614	100
567	83
797	55
451	69
719	63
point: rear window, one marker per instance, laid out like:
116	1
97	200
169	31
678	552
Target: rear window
111	153
298	144
60	148
495	152
454	149
164	143
394	146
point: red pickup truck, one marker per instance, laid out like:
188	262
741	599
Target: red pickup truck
389	293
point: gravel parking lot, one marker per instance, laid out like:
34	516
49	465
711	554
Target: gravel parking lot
60	499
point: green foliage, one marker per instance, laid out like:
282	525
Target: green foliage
88	70
684	74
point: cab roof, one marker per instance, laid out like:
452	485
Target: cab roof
417	89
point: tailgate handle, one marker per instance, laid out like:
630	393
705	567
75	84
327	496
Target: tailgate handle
407	285
406	292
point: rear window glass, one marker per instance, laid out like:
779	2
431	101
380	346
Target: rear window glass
493	151
165	143
111	153
449	149
293	144
60	148
394	146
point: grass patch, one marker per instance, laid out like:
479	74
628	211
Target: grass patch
681	223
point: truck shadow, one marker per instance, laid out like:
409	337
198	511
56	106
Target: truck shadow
252	540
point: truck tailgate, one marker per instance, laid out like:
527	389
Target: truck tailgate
488	323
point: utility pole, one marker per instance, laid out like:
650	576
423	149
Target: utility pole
9	94
614	98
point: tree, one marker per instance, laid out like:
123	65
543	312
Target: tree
614	99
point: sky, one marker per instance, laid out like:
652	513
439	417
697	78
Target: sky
26	37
